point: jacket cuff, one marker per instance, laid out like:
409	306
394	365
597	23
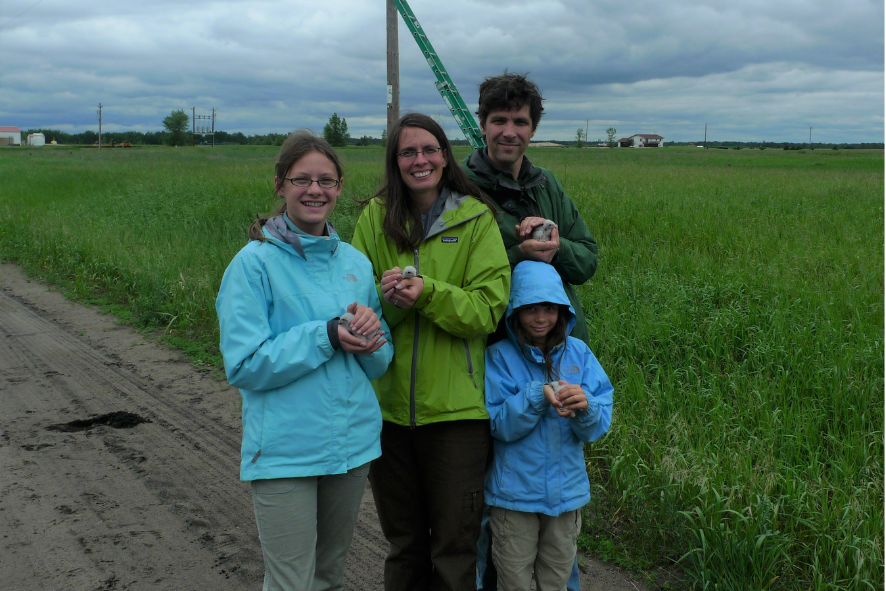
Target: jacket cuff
537	397
332	333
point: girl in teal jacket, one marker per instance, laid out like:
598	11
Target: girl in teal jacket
311	421
538	481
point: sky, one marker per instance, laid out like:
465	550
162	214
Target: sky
752	70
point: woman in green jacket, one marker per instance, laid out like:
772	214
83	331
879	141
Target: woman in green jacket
428	484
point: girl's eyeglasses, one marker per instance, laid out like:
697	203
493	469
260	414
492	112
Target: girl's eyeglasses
301	181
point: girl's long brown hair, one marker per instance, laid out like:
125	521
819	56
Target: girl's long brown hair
402	222
552	339
297	144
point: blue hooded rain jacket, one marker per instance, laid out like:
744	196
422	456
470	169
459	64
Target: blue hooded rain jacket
539	464
308	409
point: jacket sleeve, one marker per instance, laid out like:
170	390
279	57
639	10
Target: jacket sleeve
593	423
376	364
514	409
255	358
369	225
476	308
576	261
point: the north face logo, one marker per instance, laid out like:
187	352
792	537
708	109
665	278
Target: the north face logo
572	369
351	278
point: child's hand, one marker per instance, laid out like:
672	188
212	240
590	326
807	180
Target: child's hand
572	397
553	397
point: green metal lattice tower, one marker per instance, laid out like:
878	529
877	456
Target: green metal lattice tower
445	85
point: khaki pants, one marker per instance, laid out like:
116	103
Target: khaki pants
523	541
305	526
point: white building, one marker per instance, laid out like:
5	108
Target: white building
36	139
642	140
10	136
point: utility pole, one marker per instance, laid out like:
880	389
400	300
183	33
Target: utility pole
393	66
193	126
810	138
587	122
705	136
213	127
99	127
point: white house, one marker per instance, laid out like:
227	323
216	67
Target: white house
642	140
36	139
10	136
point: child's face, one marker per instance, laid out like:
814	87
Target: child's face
308	207
538	320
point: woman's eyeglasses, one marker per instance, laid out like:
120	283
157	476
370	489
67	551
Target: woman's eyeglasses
412	154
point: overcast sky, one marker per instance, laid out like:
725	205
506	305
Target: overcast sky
751	69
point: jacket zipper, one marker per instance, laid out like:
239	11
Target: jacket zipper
470	364
414	355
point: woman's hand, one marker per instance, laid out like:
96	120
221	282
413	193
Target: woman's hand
537	250
400	292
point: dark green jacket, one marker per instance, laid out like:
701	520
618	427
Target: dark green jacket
537	192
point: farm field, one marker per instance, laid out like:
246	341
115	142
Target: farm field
737	308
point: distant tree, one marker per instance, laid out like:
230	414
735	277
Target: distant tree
176	125
336	131
610	137
384	137
364	141
579	137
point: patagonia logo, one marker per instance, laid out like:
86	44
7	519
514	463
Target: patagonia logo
450	239
350	277
572	369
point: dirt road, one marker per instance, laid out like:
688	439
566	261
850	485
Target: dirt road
120	463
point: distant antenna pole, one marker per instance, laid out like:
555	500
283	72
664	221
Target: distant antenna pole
99	126
193	126
810	138
393	65
213	127
587	122
705	136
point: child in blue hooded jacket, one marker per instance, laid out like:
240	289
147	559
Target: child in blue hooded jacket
538	481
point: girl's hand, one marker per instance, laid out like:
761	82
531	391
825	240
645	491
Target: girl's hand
572	397
353	338
365	321
356	345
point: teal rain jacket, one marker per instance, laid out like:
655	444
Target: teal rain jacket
308	409
539	464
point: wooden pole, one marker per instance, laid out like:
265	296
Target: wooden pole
393	65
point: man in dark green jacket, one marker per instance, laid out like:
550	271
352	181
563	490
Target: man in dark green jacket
510	109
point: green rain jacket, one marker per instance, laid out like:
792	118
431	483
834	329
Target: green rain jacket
537	192
438	369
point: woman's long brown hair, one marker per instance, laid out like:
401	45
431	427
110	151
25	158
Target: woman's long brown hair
402	222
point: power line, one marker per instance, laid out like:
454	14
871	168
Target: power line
21	13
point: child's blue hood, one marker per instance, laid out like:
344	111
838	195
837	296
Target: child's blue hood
533	282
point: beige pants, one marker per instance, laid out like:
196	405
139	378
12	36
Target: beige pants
522	542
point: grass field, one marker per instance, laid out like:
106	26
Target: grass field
738	309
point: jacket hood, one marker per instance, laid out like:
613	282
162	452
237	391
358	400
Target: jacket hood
533	282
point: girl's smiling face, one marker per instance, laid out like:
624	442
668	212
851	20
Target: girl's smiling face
538	320
309	207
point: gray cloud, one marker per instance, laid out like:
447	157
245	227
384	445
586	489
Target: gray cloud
753	70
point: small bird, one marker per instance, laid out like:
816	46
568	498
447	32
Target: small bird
556	386
409	272
543	232
346	319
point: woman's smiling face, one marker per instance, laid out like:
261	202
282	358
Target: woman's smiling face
423	173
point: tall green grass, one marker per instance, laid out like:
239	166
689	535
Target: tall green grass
738	309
